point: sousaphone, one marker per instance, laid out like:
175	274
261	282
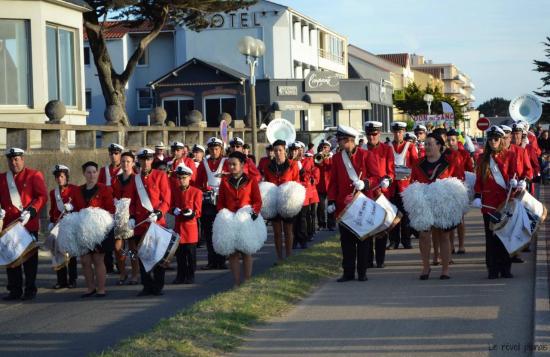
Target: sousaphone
280	129
526	108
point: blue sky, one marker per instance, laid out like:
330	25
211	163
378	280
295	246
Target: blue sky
493	41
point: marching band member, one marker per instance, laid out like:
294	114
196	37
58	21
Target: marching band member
404	154
323	160
250	169
186	207
345	180
236	191
208	180
493	174
107	175
179	155
380	163
160	159
462	163
247	151
150	206
93	194
60	198
420	132
125	187
312	195
264	161
23	194
198	154
435	165
279	171
525	152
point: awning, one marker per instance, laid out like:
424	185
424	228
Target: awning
356	105
322	98
290	105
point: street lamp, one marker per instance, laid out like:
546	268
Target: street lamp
428	98
252	48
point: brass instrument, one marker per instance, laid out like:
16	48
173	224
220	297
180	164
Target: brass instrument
320	157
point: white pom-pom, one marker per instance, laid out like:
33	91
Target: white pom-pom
67	238
251	234
95	224
449	201
291	199
417	206
269	192
224	232
122	216
470	184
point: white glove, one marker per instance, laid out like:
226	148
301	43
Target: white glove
385	183
152	218
513	183
68	207
131	223
524	141
522	185
2	214
25	217
476	203
50	226
359	185
177	211
299	163
331	208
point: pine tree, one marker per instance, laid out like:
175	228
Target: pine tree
544	67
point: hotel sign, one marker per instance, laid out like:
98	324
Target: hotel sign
237	20
321	81
287	90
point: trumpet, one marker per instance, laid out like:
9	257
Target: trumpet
320	157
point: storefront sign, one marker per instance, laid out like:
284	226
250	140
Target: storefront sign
321	81
287	90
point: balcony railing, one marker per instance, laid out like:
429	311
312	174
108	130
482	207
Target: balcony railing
331	56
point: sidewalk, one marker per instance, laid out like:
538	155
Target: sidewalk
396	314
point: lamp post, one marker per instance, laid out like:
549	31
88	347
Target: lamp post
252	48
428	98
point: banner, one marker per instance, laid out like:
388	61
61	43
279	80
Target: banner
446	120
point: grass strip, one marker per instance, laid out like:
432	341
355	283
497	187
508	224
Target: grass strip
216	325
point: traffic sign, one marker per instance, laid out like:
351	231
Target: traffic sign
483	123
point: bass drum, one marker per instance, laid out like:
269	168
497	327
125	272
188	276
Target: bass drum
16	245
158	246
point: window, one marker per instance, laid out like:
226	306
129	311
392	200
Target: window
88	99
177	109
214	106
15	65
86	56
329	115
61	65
145	98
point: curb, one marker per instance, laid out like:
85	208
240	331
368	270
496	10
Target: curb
541	313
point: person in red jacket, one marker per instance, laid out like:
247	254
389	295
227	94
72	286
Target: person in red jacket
236	191
60	199
179	155
209	176
526	153
160	160
494	172
435	165
186	207
380	163
250	169
281	170
420	132
264	161
405	156
323	161
124	186
93	194
23	194
344	182
150	206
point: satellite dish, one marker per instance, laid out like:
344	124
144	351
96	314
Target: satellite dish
526	107
280	129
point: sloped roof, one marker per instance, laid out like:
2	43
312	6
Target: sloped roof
117	29
400	59
437	72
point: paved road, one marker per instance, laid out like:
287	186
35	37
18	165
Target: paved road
396	314
60	323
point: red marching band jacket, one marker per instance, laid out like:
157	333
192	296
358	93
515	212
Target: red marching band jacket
33	192
324	175
448	168
420	149
291	173
410	158
173	164
249	169
309	178
262	165
341	187
233	198
124	190
491	193
380	163
103	198
113	172
523	161
189	198
157	186
202	178
461	161
67	193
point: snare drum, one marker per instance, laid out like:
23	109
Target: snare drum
363	216
16	245
393	216
158	246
